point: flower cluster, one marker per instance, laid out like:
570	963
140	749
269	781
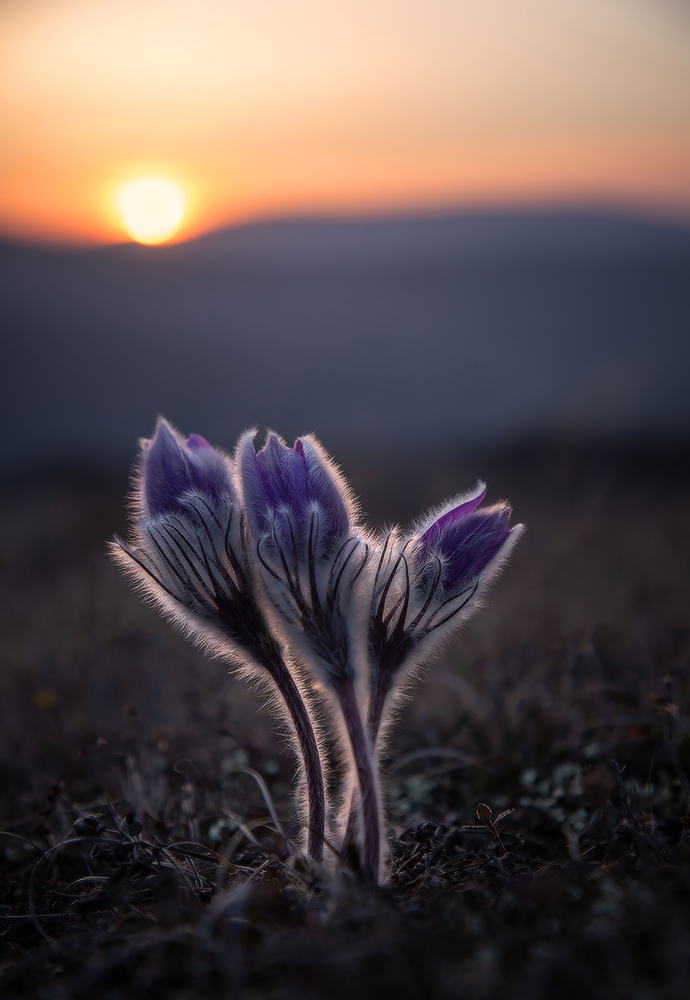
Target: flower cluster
262	558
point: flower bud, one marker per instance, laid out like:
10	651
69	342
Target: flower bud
289	490
464	538
172	468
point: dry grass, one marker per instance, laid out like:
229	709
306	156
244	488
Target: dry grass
567	701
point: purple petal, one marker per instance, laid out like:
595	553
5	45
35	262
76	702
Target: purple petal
197	443
468	544
255	498
451	518
284	476
325	489
165	471
284	486
210	473
171	467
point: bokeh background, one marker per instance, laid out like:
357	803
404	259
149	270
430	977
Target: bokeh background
408	226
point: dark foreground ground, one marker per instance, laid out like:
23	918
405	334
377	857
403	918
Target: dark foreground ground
566	701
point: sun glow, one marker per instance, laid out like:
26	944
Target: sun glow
151	208
266	109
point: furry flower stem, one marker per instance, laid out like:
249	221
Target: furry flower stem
189	556
426	583
303	728
312	558
369	795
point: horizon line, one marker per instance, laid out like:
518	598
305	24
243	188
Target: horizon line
665	214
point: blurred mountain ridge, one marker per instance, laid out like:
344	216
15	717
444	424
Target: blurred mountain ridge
420	331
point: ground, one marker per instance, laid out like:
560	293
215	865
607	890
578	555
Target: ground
138	857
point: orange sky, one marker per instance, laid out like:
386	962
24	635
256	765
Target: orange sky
270	106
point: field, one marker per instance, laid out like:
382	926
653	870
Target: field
139	855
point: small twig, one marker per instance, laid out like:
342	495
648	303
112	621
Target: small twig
489	824
243	830
263	788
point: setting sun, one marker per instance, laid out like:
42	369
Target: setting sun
268	109
151	208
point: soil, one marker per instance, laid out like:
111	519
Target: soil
537	778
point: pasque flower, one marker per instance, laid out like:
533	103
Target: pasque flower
189	553
313	557
311	552
426	583
265	552
172	468
294	492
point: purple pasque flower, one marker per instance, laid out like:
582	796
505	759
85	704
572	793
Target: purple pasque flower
302	516
427	582
455	554
172	467
464	538
189	554
186	535
292	492
312	556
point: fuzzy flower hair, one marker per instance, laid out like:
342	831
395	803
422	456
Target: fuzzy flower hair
309	547
427	582
313	559
262	559
186	547
189	555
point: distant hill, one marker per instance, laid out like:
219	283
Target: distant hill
418	331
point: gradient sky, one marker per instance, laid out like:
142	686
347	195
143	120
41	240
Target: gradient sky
274	107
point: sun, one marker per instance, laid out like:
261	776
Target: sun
151	208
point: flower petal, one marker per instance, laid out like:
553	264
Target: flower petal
208	469
165	474
253	489
327	488
283	472
468	545
171	467
452	517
